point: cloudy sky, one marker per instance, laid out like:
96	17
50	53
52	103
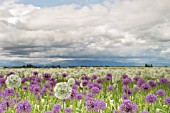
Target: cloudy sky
132	32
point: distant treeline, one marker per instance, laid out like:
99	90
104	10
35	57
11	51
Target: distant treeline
58	66
148	65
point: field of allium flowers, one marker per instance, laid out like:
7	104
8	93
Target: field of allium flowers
85	90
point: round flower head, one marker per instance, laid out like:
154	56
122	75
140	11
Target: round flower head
67	110
95	90
128	106
136	78
47	76
2	81
62	90
110	88
160	92
151	98
124	76
79	96
152	83
141	81
126	81
9	92
64	74
13	81
125	97
163	80
71	81
100	104
145	87
23	107
56	108
99	80
167	100
94	77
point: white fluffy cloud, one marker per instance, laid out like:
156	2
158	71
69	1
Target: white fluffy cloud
134	29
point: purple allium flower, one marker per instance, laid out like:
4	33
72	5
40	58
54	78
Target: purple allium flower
145	87
17	94
10	73
3	106
100	104
67	110
87	78
43	91
127	91
46	85
167	100
110	88
35	73
47	76
125	97
95	90
8	103
25	88
128	106
94	77
1	76
83	78
163	80
32	78
79	96
56	108
99	80
1	109
84	82
152	83
36	89
160	92
89	103
89	95
23	107
151	98
2	81
126	81
33	83
136	78
144	111
109	75
74	87
64	74
9	92
77	82
98	85
108	78
39	80
124	76
90	85
141	81
23	80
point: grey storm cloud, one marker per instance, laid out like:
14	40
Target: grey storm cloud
124	30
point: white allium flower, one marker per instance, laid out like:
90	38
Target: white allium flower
62	90
13	81
71	81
